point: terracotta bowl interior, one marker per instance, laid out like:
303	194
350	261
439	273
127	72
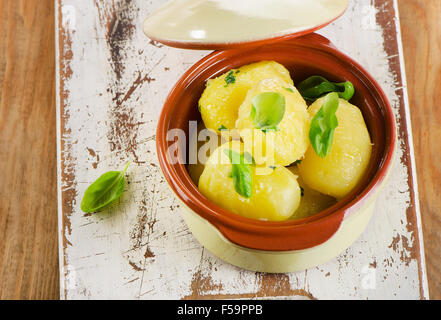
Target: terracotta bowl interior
303	57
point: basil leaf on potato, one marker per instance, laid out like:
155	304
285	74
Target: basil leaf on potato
323	125
241	172
267	110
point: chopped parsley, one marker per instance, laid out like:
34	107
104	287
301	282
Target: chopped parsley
230	78
273	129
290	90
222	127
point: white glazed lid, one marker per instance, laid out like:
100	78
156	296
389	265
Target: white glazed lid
227	24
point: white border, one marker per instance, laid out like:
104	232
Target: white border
59	137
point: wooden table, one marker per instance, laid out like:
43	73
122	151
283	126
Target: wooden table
28	208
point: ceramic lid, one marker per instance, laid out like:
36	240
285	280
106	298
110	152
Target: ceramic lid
228	24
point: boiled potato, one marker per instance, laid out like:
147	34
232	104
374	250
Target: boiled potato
312	202
342	169
209	142
219	104
274	197
290	142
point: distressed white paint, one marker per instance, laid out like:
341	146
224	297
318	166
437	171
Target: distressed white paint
101	248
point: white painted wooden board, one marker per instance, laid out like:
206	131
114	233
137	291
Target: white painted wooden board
111	85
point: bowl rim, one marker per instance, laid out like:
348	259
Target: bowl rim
254	234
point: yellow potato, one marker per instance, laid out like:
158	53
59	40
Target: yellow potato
274	196
290	142
219	104
343	168
195	169
312	202
207	141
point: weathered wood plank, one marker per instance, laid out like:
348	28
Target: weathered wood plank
420	24
28	213
111	86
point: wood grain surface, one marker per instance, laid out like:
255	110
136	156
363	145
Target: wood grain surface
28	206
421	32
28	202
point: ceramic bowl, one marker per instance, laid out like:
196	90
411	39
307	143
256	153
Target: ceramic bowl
290	245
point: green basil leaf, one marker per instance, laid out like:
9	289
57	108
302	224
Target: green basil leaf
267	110
105	190
241	172
248	159
235	158
222	128
316	86
323	125
230	78
348	90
